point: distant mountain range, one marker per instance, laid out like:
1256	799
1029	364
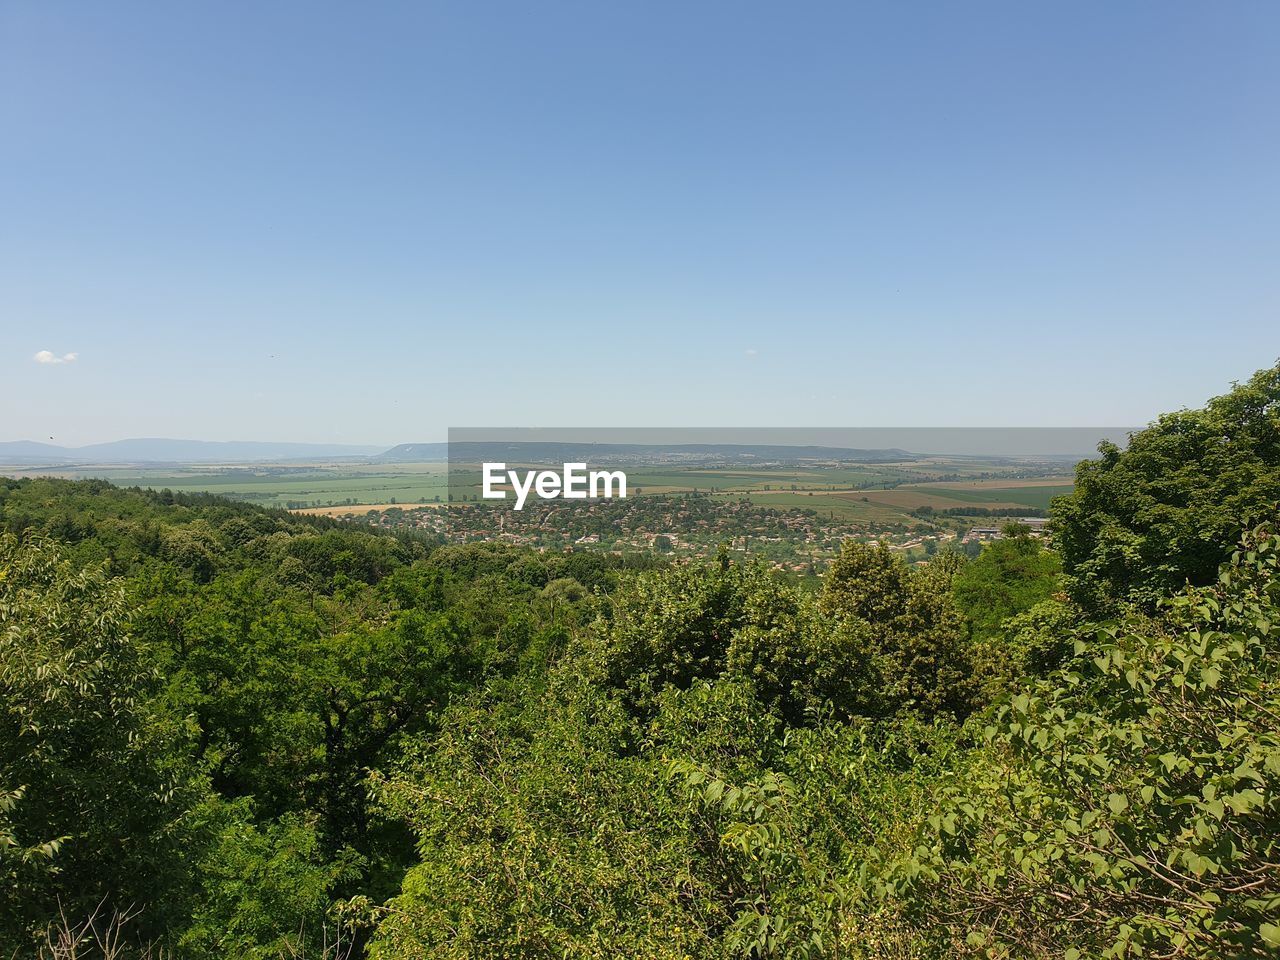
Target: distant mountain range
1066	442
159	450
558	452
416	453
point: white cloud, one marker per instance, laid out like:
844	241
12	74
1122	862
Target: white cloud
751	351
48	356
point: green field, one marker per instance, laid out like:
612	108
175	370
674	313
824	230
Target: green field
1037	496
780	479
871	493
285	486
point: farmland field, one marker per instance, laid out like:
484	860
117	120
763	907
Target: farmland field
993	493
882	505
848	506
863	492
281	485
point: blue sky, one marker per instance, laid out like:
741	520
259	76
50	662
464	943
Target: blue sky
368	222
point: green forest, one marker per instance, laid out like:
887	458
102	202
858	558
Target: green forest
232	732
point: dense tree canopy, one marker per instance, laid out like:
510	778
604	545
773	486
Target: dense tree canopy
258	735
99	788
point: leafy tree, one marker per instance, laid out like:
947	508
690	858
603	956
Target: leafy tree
266	890
810	828
1009	577
728	620
1129	805
996	593
911	624
543	833
1147	519
95	781
676	626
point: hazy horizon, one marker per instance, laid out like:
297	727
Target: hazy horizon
327	223
1021	442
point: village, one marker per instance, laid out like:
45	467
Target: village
688	525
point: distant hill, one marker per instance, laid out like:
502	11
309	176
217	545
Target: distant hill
161	450
519	451
416	453
21	450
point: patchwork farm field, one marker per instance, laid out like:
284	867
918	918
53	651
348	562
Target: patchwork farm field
782	478
874	493
898	503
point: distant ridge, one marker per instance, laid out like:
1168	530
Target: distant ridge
163	450
417	453
516	451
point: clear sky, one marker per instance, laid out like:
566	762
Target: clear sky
368	222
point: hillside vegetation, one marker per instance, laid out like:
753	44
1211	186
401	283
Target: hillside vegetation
233	732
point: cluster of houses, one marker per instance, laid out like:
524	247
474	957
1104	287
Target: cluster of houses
1039	527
